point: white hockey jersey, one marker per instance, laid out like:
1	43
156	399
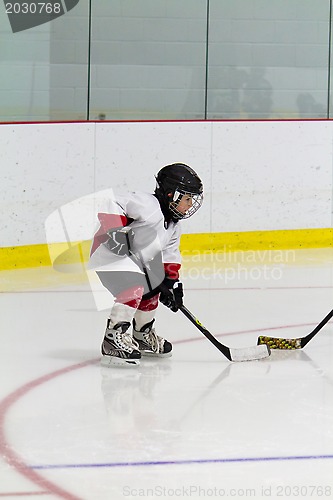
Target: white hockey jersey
145	210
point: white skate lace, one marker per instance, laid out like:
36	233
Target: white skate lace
125	340
154	341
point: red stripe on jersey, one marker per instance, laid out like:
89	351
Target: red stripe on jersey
172	270
107	222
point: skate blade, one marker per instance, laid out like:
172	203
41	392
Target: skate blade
152	354
113	361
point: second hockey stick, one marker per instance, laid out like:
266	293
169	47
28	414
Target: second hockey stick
298	343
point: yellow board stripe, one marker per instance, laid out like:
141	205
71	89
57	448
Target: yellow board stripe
191	244
257	240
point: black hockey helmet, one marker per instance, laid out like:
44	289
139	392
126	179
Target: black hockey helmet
173	183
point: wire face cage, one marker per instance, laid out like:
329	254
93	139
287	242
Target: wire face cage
179	195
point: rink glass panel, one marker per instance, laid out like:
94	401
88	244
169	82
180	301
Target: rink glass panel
44	69
169	60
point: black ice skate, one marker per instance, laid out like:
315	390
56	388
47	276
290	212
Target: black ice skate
149	343
118	346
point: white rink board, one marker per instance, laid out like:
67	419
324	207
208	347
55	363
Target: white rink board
271	175
257	175
43	166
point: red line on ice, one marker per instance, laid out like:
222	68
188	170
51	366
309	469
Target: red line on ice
14	460
11	457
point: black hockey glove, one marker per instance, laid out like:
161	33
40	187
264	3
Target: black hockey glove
171	296
119	240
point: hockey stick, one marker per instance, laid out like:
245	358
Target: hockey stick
240	354
299	343
243	354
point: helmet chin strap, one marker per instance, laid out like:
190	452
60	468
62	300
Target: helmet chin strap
176	196
164	204
174	199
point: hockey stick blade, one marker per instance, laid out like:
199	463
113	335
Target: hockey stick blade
240	354
299	343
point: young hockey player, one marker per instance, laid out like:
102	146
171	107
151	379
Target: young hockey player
136	256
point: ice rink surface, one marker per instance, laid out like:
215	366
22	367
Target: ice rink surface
191	426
